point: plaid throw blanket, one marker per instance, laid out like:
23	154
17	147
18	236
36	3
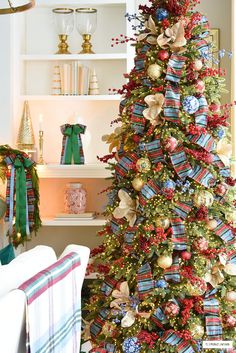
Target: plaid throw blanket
53	311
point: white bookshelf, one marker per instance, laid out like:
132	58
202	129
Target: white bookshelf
70	57
100	97
51	222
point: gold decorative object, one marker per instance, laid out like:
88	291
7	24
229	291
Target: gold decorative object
25	139
64	20
41	160
86	23
12	6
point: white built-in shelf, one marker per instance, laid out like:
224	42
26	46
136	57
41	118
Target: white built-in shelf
73	171
51	222
93	275
100	97
70	57
66	3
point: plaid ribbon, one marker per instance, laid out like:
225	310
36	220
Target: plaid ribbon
224	232
145	48
108	285
125	164
224	171
172	274
202	176
179	238
116	225
137	119
149	190
204	140
110	348
172	103
153	150
146	82
129	237
211	311
175	68
202	46
201	114
172	338
65	143
159	318
182	209
97	325
231	258
145	281
180	162
31	199
122	105
140	62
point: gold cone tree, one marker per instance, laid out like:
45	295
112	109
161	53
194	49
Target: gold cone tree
25	139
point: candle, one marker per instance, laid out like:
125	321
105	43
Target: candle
40	122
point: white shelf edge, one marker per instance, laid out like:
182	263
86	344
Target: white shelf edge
46	3
101	97
73	171
70	57
51	222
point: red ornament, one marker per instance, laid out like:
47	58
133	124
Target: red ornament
186	255
214	107
170	144
201	244
229	321
221	189
171	309
200	86
163	55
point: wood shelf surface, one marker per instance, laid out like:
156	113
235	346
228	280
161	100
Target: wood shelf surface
73	57
52	222
46	3
100	97
73	171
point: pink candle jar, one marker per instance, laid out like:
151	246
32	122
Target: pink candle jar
75	198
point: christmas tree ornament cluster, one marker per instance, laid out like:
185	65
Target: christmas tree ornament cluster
167	265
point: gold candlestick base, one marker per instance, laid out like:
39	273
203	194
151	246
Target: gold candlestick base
41	160
63	46
86	45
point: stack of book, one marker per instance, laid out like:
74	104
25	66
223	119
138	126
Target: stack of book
72	79
87	216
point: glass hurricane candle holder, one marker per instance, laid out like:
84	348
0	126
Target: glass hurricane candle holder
86	23
64	21
75	198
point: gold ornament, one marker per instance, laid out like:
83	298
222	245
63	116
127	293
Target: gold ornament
196	330
25	139
231	217
137	183
231	296
203	198
109	329
212	224
164	261
143	165
162	222
196	289
154	71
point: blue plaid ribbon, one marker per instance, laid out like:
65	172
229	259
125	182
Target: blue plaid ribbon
129	236
145	281
204	140
97	325
146	82
145	48
180	162
223	170
153	150
115	225
175	67
232	258
122	105
159	318
172	274
201	114
182	208
224	232
137	119
149	190
172	103
125	164
108	286
139	62
213	322
179	238
172	338
202	176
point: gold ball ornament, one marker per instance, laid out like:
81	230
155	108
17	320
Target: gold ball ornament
203	198
196	289
196	330
137	183
212	224
230	216
231	296
161	222
165	261
143	165
109	329
154	71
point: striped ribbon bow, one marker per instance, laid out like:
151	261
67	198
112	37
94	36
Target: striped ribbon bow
145	281
171	337
211	311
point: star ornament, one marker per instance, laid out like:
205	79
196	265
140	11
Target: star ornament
126	208
155	103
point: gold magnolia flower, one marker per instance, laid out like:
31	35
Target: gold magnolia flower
224	151
173	37
126	208
215	275
155	103
151	36
113	139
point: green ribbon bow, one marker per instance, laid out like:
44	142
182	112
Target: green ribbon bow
72	145
21	193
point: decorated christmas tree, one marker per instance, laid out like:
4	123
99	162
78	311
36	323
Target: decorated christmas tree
168	261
